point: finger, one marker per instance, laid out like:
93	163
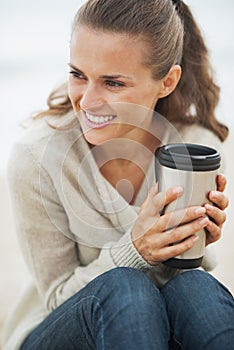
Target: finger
213	232
157	202
158	245
218	216
221	182
179	217
153	191
219	199
169	252
182	232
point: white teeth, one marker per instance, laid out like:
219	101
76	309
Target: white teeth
99	120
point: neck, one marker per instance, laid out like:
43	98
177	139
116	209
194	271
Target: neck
123	151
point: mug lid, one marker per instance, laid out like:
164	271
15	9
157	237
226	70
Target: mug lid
188	156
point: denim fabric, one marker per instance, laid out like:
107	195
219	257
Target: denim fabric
200	311
122	309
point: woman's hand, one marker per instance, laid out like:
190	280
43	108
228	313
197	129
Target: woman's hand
154	234
216	211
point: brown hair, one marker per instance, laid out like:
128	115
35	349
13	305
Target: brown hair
174	38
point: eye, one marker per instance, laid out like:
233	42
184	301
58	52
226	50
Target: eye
114	84
77	75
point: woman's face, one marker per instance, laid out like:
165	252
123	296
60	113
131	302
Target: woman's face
108	83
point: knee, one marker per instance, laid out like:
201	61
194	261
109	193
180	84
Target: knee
189	283
198	304
194	281
130	289
198	287
128	282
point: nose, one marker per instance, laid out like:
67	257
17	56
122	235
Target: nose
92	97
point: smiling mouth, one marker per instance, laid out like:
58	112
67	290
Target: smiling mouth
98	121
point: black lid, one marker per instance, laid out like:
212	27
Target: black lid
187	156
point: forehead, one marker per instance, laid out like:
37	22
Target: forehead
97	47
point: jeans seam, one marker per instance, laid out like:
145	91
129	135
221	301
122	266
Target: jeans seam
175	340
84	298
101	318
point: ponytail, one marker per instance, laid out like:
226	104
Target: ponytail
196	96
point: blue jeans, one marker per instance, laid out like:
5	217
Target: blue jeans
122	309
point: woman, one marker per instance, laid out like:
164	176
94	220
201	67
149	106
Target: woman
87	207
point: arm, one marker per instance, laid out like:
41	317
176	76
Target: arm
50	255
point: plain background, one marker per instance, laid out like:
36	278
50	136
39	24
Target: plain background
33	60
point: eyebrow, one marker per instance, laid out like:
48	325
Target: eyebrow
111	76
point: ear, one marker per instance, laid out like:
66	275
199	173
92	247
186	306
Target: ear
170	81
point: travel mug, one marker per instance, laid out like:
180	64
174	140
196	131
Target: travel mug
193	167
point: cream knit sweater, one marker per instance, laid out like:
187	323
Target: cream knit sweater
71	223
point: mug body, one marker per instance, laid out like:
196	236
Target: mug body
197	178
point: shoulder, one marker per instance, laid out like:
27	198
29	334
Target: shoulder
39	132
40	142
196	133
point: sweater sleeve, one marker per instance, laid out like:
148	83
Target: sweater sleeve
52	257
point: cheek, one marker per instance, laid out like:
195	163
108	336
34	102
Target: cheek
148	99
145	96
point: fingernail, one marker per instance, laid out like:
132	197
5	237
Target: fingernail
208	206
200	211
178	190
203	221
215	194
222	176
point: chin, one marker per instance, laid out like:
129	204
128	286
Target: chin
94	137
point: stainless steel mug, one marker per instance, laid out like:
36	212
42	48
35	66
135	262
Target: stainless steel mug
193	167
